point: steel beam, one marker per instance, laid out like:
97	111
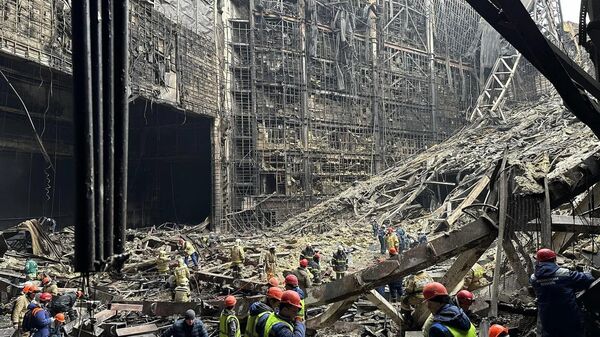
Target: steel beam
565	224
331	315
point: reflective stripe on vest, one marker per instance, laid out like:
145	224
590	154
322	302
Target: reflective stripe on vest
251	324
271	321
462	333
223	326
301	312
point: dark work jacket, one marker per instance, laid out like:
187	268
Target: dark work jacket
449	315
555	290
178	329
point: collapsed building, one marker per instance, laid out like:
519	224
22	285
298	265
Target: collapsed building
244	115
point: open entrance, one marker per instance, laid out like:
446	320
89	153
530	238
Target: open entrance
170	165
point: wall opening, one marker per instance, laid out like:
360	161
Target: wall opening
170	165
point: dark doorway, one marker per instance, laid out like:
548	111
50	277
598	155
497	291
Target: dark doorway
170	165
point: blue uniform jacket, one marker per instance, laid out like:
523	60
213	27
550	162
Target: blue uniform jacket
280	329
448	315
178	329
555	290
40	321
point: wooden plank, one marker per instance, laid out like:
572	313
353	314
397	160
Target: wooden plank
546	218
503	205
385	306
515	263
471	197
104	315
126	307
331	315
136	330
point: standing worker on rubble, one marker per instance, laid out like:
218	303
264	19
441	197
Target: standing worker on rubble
307	252
402	239
65	304
555	289
49	286
270	261
291	283
182	282
229	325
474	278
391	240
38	318
237	258
31	269
314	267
381	237
285	322
395	285
448	319
187	249
303	275
162	263
340	262
413	293
189	326
20	308
258	309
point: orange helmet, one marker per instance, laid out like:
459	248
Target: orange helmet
433	289
273	282
275	292
304	263
497	330
393	251
60	317
46	280
45	297
465	297
292	280
27	287
545	254
230	301
317	256
291	297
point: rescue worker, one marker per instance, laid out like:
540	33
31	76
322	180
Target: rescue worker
308	252
314	267
229	325
285	322
303	275
188	251
291	283
402	239
31	269
391	240
340	262
270	262
237	259
258	309
396	285
463	299
182	274
381	236
413	293
49	286
162	263
497	330
20	308
555	289
273	282
474	278
421	238
40	316
57	327
448	319
65	304
374	226
189	326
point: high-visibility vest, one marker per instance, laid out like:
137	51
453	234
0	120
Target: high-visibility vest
271	321
478	271
251	324
472	332
223	325
302	311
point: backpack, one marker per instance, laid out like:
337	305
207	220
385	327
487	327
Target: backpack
28	319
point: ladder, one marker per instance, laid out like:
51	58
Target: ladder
492	98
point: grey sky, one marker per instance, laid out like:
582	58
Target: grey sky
570	10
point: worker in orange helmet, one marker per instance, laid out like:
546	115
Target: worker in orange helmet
49	286
258	309
291	283
448	319
57	327
287	321
314	267
20	307
229	325
555	289
497	330
303	275
273	282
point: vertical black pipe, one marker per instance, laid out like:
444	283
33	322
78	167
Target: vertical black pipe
109	124
96	51
84	146
121	78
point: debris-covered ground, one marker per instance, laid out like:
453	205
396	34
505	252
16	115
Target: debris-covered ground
425	194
